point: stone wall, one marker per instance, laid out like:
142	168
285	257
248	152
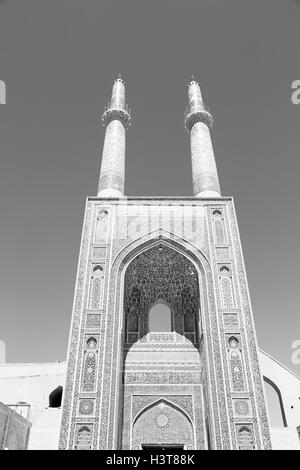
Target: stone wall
14	430
26	389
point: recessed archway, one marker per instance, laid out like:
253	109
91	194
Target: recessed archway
161	294
133	339
55	397
162	318
274	404
162	425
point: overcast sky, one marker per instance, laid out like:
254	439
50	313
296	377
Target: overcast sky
59	58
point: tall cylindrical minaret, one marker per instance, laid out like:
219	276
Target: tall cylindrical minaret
198	120
116	119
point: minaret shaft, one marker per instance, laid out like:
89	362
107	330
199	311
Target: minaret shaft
112	176
204	170
197	122
118	95
116	118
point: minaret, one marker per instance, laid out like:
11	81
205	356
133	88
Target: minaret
198	120
116	119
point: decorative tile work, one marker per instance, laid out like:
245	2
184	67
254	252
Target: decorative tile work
74	355
89	372
231	321
235	362
185	402
225	276
223	255
96	288
90	365
132	337
86	406
245	436
139	402
219	405
162	423
160	273
101	230
101	442
227	292
188	399
162	377
161	338
83	437
251	356
93	321
99	252
230	221
219	228
241	407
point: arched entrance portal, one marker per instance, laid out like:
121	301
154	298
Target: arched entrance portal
162	425
162	359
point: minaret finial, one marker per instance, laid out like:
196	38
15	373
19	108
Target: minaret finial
198	120
193	81
116	119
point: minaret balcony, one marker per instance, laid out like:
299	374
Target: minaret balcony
112	114
198	116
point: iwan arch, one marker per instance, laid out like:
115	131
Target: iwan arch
156	272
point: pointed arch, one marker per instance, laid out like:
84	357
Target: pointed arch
271	406
96	287
83	439
55	397
91	343
101	230
182	246
161	281
133	249
166	416
166	402
140	244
